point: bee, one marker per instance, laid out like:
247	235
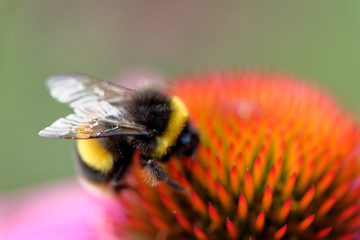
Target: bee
111	123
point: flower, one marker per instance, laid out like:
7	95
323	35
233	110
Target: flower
278	159
54	211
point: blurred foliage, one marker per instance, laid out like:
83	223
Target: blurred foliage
315	40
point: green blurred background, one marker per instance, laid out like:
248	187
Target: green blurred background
315	40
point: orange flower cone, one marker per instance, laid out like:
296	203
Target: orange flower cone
278	159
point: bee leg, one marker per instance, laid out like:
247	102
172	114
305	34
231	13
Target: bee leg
166	158
174	185
117	187
115	183
153	174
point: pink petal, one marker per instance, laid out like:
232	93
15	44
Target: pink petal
56	211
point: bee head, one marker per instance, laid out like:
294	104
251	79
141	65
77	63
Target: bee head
187	142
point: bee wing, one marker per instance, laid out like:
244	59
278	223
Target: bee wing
77	89
94	119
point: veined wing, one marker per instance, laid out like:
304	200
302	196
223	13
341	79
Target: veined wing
94	120
77	89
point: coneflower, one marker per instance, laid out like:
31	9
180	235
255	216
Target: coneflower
278	159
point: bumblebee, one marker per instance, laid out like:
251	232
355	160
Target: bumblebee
111	123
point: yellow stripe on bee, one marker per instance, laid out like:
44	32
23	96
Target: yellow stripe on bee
178	118
95	155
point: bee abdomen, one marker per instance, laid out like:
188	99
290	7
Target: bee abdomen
102	159
95	156
90	173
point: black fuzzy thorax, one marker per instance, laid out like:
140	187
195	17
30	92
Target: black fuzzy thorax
152	110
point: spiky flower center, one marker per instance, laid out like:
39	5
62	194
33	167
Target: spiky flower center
277	159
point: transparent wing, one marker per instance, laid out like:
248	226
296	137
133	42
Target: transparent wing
77	89
94	120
